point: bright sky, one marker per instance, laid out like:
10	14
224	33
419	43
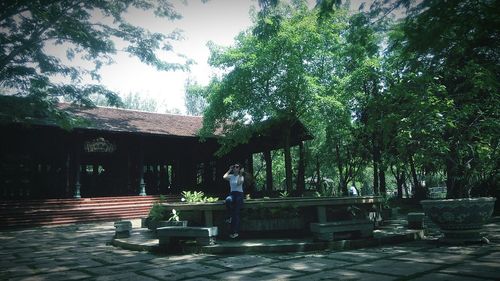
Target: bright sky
217	20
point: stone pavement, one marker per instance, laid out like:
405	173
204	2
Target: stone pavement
83	252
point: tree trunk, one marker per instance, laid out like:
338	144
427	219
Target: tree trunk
399	176
376	167
375	178
381	178
301	170
342	182
318	176
419	192
454	186
288	161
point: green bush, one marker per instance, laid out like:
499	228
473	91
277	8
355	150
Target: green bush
157	211
197	197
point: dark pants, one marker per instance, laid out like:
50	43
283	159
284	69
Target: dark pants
233	205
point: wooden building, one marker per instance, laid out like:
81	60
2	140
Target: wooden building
120	152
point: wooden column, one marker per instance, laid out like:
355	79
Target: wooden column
301	170
250	186
142	185
128	172
77	171
269	170
67	172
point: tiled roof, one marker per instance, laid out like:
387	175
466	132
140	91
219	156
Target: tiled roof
122	120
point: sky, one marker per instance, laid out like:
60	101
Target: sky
217	20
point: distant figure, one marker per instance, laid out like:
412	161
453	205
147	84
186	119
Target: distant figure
235	199
353	191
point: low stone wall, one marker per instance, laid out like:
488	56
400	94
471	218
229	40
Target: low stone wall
278	212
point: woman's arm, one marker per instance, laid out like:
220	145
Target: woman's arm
226	175
240	179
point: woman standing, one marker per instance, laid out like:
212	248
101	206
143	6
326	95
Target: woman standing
235	199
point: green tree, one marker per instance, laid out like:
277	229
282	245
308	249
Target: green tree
270	77
28	28
450	51
362	91
135	101
195	97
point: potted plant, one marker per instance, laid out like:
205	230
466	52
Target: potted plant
174	220
158	216
461	216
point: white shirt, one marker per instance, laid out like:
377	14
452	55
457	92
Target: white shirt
233	182
353	191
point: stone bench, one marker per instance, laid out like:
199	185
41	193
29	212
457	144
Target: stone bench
328	231
172	234
319	203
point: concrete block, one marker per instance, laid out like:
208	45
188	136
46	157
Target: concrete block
123	229
170	234
330	230
416	220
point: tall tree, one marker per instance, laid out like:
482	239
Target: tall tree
86	31
269	77
195	97
362	87
135	101
453	47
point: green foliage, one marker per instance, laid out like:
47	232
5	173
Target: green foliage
33	31
157	211
284	194
135	101
195	98
453	83
197	197
174	216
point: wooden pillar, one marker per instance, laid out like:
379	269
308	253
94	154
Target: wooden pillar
94	189
269	170
142	185
67	169
250	183
249	164
128	172
77	171
301	170
156	176
162	179
168	179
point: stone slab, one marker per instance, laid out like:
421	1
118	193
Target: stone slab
389	267
346	274
476	268
186	231
311	264
188	270
240	262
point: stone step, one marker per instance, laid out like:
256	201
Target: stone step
19	213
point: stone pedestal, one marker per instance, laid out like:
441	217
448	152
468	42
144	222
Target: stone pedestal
416	220
123	229
460	220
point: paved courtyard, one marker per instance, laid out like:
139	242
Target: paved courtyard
83	252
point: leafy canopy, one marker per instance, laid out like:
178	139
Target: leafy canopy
89	33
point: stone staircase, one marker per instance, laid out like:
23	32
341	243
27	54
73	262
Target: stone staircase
28	213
